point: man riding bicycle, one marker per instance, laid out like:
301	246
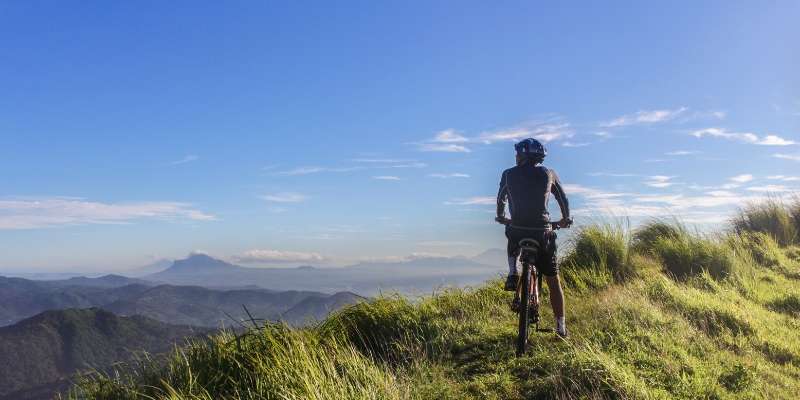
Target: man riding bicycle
527	188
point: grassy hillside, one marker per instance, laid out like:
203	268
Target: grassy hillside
658	313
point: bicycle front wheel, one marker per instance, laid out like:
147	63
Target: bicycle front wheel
525	283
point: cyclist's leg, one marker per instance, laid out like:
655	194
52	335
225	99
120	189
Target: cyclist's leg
549	267
512	250
556	295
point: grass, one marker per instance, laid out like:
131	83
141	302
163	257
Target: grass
597	257
771	217
659	314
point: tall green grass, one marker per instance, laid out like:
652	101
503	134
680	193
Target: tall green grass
597	256
271	362
771	217
726	328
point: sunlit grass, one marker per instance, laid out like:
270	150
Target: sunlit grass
662	313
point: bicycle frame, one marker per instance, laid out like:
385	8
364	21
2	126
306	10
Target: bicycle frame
525	289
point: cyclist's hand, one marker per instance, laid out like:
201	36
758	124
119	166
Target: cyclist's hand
565	223
502	220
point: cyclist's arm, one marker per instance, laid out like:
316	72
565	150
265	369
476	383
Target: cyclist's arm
561	197
502	195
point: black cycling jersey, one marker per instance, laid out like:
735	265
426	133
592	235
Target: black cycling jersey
527	189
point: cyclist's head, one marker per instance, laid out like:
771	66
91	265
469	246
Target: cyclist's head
530	150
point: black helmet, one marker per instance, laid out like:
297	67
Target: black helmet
531	148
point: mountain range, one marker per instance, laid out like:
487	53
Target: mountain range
412	276
187	305
40	353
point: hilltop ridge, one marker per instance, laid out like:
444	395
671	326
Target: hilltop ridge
657	313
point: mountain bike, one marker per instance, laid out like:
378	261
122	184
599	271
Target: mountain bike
529	251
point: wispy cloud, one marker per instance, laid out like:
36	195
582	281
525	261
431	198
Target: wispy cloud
792	157
450	175
644	117
411	164
744	178
387	178
285	197
382	160
449	136
710	207
187	159
769	189
546	132
472	201
32	213
745	137
308	170
575	144
659	181
446	141
784	178
682	153
258	256
443	148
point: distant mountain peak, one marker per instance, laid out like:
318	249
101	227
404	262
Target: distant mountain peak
199	262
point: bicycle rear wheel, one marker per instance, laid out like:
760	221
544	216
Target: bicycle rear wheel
525	283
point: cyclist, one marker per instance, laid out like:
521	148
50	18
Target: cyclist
527	188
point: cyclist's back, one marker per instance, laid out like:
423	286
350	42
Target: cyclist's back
527	187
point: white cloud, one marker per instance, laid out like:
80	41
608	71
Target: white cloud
711	207
382	160
443	148
682	153
746	137
449	136
772	140
387	178
784	178
447	141
450	175
470	201
32	213
721	193
659	181
276	256
575	144
307	170
414	164
744	178
644	117
792	157
769	189
186	159
591	193
543	132
285	197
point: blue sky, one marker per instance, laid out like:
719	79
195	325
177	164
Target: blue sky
324	133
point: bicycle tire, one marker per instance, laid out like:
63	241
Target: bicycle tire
525	282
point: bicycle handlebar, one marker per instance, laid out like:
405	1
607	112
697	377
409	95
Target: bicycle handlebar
554	225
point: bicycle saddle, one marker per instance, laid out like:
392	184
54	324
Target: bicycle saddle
529	244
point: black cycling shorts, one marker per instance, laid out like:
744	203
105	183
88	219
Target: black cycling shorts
545	262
